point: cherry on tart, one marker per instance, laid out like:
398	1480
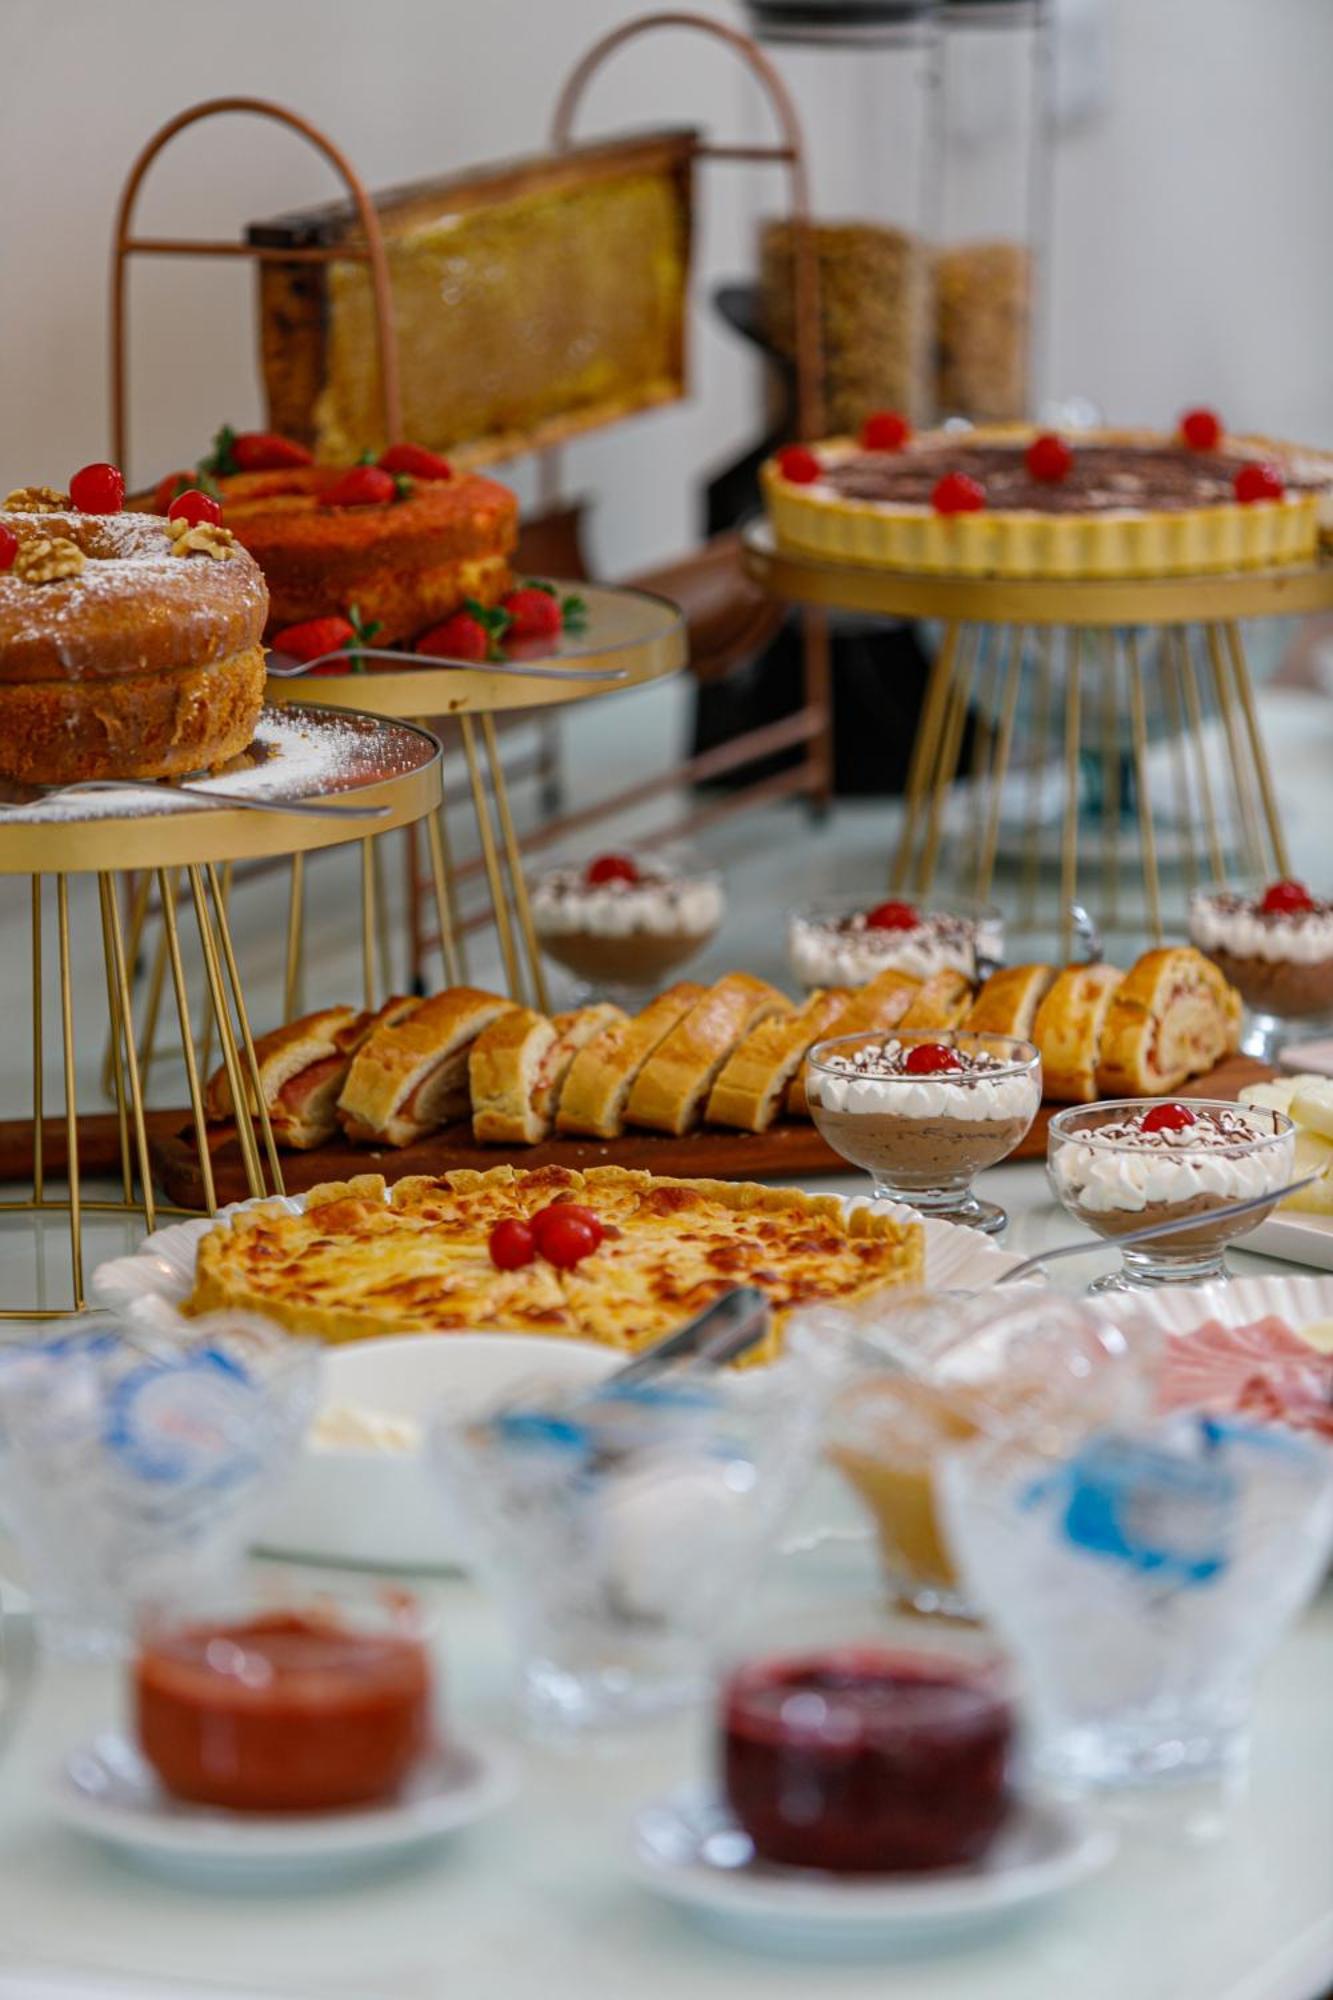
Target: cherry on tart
512	1244
1169	1118
797	463
956	493
1201	429
1258	481
1050	459
611	868
885	430
9	547
196	508
892	917
931	1059
1282	899
98	489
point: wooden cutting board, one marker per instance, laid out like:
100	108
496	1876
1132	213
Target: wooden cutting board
790	1152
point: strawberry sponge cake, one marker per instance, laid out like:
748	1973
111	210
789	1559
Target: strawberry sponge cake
129	647
394	546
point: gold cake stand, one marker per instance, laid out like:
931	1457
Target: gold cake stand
629	639
174	846
1094	628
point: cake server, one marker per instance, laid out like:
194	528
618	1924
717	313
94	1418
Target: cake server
293	669
219	801
1155	1229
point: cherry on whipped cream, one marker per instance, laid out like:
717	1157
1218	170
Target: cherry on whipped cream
1281	899
1168	1118
892	917
611	868
930	1059
1049	458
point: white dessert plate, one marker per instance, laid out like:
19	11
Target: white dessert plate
1300	1301
107	1792
1295	1238
688	1849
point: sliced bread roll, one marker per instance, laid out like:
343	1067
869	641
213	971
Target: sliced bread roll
603	1073
1007	1004
302	1069
412	1077
942	1002
1068	1030
879	1004
671	1088
749	1091
1174	1017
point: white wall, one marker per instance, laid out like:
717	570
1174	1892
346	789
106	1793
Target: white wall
1192	218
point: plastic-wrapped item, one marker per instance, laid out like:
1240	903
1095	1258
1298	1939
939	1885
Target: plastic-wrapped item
135	1460
921	1379
1139	1577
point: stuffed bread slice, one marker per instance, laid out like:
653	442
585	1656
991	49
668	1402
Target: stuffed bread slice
517	1066
1068	1030
302	1069
411	1078
943	1001
1174	1017
602	1074
879	1004
670	1089
748	1094
1007	1004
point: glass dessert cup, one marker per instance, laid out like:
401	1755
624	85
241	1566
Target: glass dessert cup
1113	1183
923	1133
625	923
1138	1582
618	1530
838	942
297	1706
1274	942
864	1761
920	1379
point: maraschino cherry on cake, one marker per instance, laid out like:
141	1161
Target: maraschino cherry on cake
390	549
1014	501
130	647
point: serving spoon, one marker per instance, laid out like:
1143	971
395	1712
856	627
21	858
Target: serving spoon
218	801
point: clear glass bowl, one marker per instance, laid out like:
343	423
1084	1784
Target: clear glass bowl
1113	1186
923	1139
824	953
1282	969
1138	1582
622	937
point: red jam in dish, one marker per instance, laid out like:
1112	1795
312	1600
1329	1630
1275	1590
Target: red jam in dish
865	1762
283	1712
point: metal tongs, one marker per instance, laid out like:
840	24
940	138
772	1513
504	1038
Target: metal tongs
1156	1229
722	1332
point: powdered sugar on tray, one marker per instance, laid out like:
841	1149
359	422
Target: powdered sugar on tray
297	753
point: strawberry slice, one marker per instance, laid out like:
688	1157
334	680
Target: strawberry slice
534	612
313	637
415	461
362	486
253	451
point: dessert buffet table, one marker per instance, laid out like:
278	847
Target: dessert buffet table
537	1904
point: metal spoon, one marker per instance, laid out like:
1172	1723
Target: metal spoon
724	1330
220	802
1156	1229
573	672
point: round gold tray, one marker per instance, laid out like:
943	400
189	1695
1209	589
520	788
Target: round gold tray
629	633
1067	601
298	754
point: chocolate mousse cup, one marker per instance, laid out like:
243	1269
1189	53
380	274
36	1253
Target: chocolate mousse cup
925	1112
1114	1177
624	938
1280	960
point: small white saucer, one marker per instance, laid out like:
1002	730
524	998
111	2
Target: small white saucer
106	1790
688	1849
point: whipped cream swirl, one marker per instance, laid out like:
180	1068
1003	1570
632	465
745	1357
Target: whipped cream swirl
847	951
1231	924
875	1082
1131	1170
565	905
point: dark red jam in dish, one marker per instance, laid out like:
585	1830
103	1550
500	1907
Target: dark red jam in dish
865	1762
283	1712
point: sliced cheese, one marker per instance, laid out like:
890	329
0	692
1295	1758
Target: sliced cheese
1312	1104
1313	1155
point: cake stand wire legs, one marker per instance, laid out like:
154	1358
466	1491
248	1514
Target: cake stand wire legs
1069	828
368	924
446	914
1147	830
924	751
71	1099
220	1013
293	975
490	858
38	1082
256	1089
1249	817
166	889
1258	752
122	1029
514	861
1194	717
999	769
1110	725
950	742
1175	733
1037	750
114	1059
